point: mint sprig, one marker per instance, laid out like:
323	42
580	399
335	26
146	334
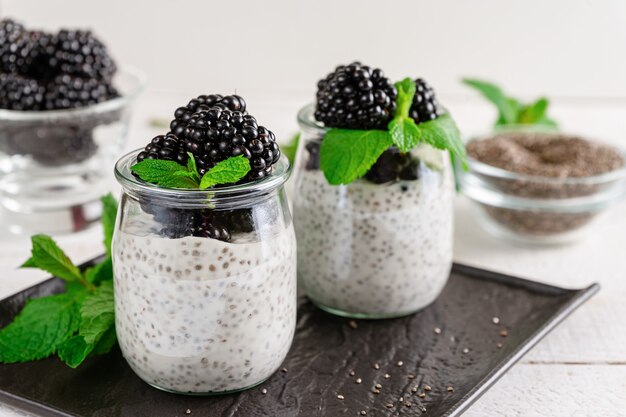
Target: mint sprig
346	155
171	174
74	324
512	111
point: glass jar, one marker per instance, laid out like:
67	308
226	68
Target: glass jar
52	163
368	249
205	282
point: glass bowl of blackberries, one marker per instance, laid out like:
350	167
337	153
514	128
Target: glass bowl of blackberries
64	113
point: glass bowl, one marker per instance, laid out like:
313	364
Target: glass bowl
537	209
55	165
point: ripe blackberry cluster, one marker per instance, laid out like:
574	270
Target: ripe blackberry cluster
425	106
72	67
355	96
213	128
393	165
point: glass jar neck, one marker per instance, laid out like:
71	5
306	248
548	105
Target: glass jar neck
226	197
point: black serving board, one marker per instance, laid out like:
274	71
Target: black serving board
325	351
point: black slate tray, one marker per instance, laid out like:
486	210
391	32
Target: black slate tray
468	354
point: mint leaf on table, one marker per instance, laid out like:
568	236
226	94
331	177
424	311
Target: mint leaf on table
106	342
534	112
74	351
109	214
102	271
346	155
97	313
47	255
493	93
163	173
227	171
39	329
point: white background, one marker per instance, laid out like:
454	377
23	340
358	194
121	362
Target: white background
561	48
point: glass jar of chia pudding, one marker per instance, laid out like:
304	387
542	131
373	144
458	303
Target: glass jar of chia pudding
205	282
380	246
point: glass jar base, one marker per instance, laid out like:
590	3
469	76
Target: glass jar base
365	316
210	393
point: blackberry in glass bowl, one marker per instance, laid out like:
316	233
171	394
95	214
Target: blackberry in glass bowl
64	113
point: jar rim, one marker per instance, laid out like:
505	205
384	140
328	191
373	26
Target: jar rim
137	79
306	119
228	196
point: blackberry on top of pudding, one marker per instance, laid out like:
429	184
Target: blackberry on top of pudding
374	189
213	128
204	252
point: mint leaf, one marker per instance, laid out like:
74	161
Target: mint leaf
406	91
227	171
404	133
109	214
346	155
290	149
160	172
46	255
97	313
102	271
442	133
106	342
534	112
493	93
39	329
192	168
74	351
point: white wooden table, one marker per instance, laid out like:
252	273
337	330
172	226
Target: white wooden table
578	370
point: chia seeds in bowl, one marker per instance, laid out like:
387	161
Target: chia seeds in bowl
542	187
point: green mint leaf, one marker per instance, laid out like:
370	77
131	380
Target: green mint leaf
406	91
404	133
290	149
106	342
97	313
348	154
102	271
39	329
442	133
227	171
159	172
74	351
533	113
46	255
192	168
493	93
109	214
547	123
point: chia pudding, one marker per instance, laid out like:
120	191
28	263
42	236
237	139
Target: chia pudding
376	250
199	315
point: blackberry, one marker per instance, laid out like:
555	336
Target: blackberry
20	93
167	147
425	106
67	92
204	102
355	97
217	133
393	165
80	53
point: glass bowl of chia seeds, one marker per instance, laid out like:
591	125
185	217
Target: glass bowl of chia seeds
53	162
540	187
